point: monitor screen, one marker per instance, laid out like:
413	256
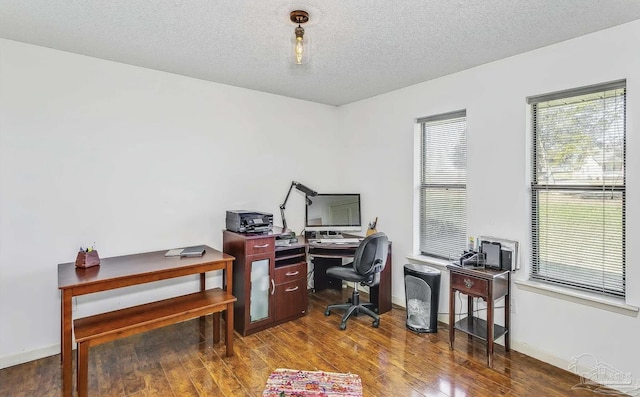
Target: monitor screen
333	212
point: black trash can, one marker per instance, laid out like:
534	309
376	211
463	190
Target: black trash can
422	290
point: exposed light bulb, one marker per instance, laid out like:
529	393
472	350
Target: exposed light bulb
299	47
299	50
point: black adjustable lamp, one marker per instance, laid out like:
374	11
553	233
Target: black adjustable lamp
303	189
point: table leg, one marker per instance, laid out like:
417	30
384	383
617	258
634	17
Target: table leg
490	331
452	309
62	316
65	342
229	330
203	319
228	277
507	320
227	285
470	315
216	327
82	366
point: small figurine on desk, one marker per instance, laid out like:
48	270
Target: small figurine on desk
87	258
372	227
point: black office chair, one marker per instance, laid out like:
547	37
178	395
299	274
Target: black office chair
369	260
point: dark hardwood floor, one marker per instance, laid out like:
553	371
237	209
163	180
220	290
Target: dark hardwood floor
391	360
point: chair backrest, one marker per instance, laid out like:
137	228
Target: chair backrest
370	257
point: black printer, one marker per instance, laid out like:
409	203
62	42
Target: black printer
243	221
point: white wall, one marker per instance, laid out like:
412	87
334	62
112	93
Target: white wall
381	130
135	160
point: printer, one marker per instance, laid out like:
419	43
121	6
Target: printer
242	221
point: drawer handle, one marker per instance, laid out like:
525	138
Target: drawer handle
291	289
261	246
273	287
293	273
468	283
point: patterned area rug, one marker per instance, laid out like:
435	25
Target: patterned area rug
294	383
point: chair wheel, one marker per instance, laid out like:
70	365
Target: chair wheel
343	326
327	312
376	323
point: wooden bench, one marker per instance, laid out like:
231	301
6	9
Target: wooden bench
106	327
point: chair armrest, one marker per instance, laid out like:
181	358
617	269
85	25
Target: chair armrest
378	266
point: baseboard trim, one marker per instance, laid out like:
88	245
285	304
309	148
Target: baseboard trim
25	357
530	351
398	301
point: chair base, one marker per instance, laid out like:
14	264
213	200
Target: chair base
355	307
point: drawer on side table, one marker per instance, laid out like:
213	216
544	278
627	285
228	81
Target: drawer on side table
470	285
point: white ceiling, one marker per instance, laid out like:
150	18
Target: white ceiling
359	48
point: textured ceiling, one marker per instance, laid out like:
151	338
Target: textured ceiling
359	48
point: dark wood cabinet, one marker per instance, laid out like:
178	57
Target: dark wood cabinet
270	282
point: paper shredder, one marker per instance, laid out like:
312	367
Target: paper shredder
422	290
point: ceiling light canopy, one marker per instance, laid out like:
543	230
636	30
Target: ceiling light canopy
301	44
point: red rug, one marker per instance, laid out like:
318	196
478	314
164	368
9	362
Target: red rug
294	383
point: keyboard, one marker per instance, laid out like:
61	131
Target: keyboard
339	240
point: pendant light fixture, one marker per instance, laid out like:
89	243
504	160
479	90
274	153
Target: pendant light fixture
301	45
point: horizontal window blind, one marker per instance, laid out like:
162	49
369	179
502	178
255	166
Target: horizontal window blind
443	175
578	188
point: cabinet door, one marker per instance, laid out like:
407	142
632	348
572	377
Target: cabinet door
261	290
291	299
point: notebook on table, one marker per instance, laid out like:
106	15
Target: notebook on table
197	250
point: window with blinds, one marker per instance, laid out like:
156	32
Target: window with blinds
443	184
578	188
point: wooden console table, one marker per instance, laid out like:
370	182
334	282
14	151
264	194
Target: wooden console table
326	255
124	271
485	284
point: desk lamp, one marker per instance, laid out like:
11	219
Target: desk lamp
308	192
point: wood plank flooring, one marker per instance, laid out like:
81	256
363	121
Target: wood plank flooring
392	361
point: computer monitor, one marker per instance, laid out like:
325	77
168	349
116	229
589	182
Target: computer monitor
338	212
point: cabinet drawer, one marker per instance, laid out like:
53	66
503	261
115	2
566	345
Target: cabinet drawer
292	272
259	245
470	285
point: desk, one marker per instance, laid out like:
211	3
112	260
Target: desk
485	284
124	271
325	255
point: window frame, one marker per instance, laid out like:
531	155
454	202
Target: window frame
452	222
538	188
